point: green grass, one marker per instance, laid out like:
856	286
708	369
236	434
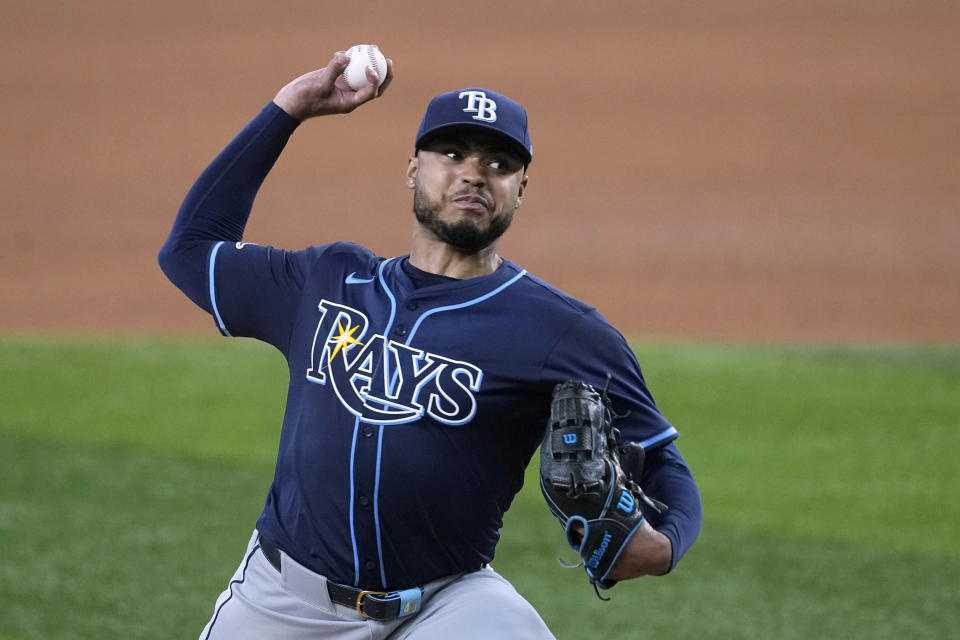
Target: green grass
131	473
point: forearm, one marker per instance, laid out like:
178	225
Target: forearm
665	537
219	203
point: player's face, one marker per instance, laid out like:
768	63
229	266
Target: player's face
467	187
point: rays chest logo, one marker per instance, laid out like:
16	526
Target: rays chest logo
382	381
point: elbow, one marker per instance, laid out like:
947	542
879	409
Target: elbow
183	262
683	528
167	258
184	265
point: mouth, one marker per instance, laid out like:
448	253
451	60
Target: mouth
472	202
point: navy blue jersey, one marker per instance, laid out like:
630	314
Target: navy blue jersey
412	411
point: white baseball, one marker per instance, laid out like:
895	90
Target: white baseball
361	57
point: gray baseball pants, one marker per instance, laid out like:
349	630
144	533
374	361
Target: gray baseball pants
293	604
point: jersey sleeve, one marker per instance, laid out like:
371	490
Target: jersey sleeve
257	291
590	350
254	290
667	477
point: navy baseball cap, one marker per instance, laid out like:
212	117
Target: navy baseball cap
476	107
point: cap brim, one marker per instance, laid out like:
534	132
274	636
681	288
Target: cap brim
514	144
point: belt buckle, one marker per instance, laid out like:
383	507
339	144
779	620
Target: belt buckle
362	595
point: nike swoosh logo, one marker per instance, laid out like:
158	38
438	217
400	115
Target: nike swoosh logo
353	279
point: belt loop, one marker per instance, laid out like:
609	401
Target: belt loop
410	601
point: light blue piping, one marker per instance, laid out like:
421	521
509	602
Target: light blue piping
660	437
393	314
376	511
353	533
213	295
386	364
451	307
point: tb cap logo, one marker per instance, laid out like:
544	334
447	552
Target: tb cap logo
479	107
480	104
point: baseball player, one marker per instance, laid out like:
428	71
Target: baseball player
420	385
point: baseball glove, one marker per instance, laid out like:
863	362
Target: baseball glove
584	482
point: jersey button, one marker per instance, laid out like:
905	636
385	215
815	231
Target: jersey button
367	432
371	565
400	331
364	501
411	304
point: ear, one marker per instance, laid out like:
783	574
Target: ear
522	189
412	168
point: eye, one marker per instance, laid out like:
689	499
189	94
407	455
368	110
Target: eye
504	163
452	154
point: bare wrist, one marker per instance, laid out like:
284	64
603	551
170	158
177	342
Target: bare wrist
649	553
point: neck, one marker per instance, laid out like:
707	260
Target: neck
429	254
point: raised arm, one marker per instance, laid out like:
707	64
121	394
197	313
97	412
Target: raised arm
218	205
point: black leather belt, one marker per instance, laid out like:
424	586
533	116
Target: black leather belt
378	605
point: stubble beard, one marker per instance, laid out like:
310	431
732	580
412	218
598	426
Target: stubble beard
464	235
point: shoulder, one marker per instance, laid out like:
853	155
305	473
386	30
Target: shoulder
299	265
345	254
556	300
340	251
332	251
578	316
578	322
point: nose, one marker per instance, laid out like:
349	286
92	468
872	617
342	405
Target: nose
473	171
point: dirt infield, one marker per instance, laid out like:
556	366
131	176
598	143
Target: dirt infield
749	170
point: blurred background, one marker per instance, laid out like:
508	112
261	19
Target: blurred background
764	196
739	169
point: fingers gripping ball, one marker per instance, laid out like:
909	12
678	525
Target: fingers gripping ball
361	57
583	482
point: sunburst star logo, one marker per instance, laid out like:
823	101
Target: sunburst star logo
344	340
